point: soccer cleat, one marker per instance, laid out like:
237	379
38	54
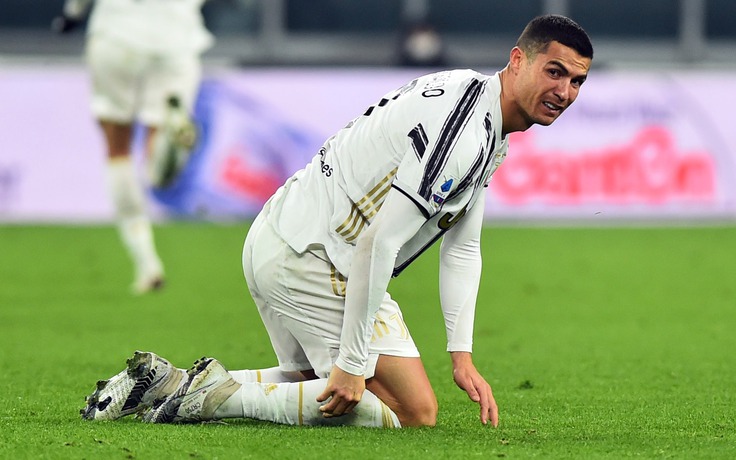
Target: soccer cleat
149	276
172	146
208	386
147	284
147	378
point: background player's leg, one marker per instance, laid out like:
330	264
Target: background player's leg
167	102
129	201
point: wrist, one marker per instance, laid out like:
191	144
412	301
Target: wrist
345	366
461	358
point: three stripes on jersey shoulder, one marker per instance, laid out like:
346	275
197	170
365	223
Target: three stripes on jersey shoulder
364	209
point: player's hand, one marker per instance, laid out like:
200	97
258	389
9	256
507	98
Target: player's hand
468	378
344	391
63	24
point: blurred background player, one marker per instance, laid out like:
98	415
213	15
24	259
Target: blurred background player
144	61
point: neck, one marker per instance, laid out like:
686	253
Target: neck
512	117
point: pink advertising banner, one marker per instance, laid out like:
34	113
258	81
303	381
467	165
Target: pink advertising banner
637	146
655	146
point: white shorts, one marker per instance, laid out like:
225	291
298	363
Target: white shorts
301	300
128	84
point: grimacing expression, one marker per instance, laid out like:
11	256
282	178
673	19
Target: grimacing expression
549	82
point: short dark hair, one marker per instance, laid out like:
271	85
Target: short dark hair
543	30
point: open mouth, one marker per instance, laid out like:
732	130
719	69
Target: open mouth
553	107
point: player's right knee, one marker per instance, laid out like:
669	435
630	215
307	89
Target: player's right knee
424	414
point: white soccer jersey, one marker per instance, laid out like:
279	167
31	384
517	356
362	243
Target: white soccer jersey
437	140
148	25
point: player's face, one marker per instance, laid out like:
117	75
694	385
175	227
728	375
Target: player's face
549	82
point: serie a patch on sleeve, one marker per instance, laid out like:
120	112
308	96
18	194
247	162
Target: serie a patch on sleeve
439	196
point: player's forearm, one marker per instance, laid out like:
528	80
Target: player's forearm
370	272
459	282
369	276
460	270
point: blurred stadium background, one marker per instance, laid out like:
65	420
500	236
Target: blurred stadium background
598	342
648	140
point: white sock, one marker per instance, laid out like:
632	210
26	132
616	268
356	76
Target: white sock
133	223
272	374
295	403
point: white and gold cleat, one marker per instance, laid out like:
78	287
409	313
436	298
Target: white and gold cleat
146	379
208	386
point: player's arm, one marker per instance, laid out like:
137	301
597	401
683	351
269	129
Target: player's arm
72	15
460	269
373	262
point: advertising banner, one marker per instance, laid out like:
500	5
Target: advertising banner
636	146
652	146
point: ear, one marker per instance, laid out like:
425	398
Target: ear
515	58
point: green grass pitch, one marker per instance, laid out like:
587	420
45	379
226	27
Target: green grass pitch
598	343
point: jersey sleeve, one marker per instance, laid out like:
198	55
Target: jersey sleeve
460	271
395	223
